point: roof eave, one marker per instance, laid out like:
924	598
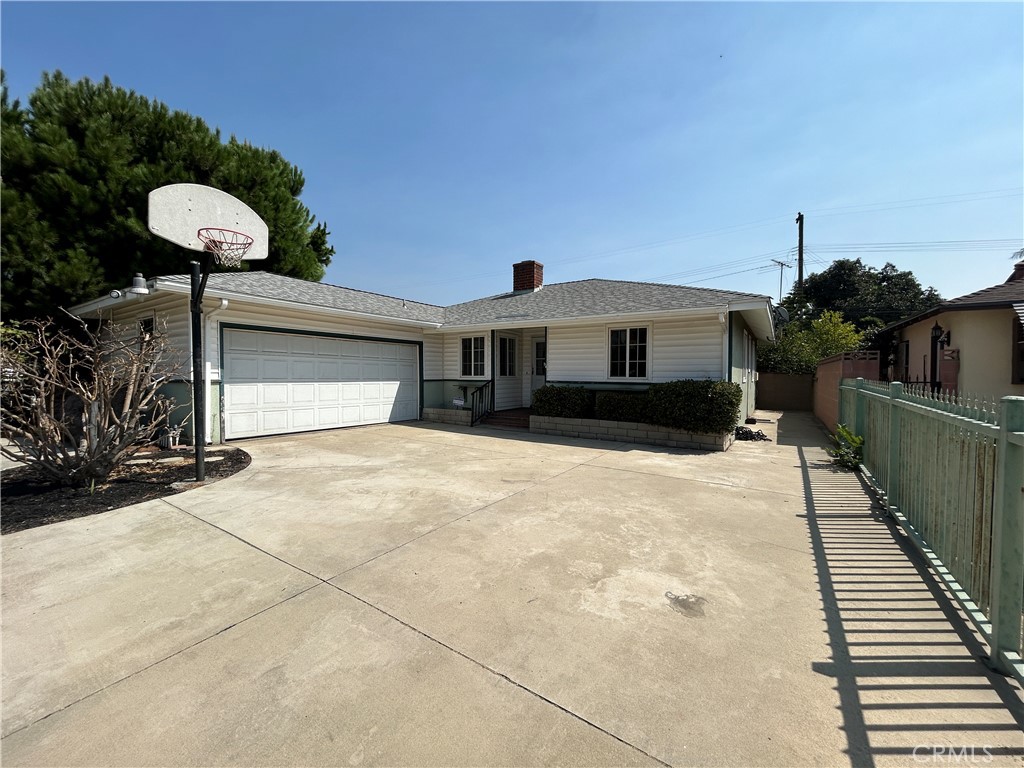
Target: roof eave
759	316
175	287
584	320
96	306
943	308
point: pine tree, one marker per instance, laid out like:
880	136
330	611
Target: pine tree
78	165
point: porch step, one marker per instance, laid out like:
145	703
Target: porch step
513	419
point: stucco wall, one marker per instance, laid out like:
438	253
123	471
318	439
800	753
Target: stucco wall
831	371
984	339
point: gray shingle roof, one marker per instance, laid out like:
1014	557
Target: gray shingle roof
587	298
270	286
558	301
1010	292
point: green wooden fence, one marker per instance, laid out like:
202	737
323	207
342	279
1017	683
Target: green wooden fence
950	470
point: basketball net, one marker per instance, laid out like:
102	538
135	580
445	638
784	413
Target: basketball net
227	246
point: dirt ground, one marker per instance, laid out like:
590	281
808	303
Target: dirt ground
30	499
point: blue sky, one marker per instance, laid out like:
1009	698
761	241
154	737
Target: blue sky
674	142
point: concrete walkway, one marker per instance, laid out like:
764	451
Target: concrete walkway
427	595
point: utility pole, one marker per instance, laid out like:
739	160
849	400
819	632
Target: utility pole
782	266
800	254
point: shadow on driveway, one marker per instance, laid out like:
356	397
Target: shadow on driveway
906	662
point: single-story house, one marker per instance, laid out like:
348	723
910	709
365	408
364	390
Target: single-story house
286	355
972	344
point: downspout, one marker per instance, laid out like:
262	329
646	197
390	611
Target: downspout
207	336
725	319
494	357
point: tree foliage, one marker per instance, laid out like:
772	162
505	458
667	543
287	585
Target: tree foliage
79	401
78	165
867	297
802	344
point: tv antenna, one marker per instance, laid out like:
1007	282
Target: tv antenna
782	266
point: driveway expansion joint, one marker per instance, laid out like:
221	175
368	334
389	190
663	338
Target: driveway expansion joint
168	657
502	676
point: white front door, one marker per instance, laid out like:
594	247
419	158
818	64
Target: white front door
539	365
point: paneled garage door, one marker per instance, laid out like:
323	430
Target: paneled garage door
280	382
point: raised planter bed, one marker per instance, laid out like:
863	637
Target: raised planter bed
629	432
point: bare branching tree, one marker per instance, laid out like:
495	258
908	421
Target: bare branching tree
78	403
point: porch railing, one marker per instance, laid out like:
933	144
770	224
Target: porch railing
480	402
950	470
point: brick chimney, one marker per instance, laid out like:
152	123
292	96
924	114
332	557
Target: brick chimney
527	276
1018	272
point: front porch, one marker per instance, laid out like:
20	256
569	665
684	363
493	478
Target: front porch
486	372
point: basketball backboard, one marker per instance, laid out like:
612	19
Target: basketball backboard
178	211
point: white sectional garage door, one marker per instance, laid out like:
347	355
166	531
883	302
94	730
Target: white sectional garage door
276	383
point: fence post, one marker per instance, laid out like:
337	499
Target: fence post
859	408
1008	536
895	427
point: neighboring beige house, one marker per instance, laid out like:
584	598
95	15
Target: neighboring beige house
972	344
285	355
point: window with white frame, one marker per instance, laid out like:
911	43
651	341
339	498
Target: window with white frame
506	356
473	356
627	353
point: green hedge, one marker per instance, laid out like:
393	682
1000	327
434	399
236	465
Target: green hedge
705	407
701	407
622	406
561	402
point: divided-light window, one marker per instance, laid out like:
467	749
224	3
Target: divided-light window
506	356
473	356
628	353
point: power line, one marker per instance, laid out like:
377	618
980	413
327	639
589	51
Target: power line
920	245
963	197
919	202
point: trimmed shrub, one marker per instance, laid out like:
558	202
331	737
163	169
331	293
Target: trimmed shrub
562	402
700	407
704	407
622	406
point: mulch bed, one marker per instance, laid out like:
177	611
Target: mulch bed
30	500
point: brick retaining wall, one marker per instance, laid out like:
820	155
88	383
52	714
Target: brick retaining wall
628	432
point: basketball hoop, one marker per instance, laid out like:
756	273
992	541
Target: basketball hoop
227	246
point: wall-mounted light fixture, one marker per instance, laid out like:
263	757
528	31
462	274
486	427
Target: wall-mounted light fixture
139	287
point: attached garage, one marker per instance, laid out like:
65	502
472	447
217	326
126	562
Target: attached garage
277	382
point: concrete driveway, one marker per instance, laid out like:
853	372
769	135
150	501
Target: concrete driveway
424	595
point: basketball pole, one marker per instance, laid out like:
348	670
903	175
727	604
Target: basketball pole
197	284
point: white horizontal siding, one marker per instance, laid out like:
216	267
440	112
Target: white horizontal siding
508	390
170	313
685	348
433	356
578	353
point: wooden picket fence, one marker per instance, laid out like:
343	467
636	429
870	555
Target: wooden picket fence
950	470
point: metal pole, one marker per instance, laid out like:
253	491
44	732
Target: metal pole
198	375
800	254
782	265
